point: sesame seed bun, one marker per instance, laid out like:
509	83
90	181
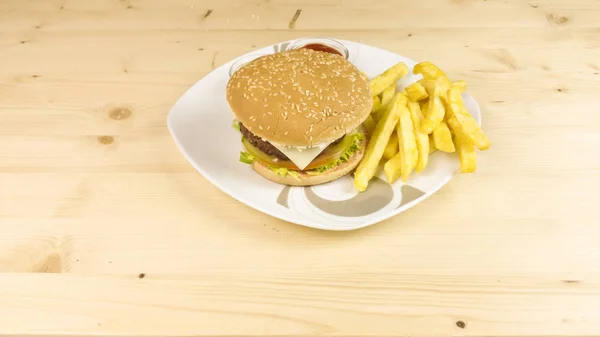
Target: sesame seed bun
300	97
305	179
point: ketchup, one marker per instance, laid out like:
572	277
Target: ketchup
323	48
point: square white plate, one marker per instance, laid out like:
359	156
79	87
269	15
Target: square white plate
201	124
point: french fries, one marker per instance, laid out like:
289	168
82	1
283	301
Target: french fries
388	94
377	143
429	70
421	138
408	155
391	148
465	148
468	125
416	92
443	138
427	116
389	77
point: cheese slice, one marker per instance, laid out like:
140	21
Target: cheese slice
301	156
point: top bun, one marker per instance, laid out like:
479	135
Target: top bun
299	97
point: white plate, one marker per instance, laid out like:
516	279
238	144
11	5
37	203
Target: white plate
201	124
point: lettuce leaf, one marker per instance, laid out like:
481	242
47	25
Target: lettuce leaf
294	174
284	172
236	125
246	158
279	170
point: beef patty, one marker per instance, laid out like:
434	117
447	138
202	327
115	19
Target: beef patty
269	149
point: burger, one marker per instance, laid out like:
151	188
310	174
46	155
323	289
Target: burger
300	114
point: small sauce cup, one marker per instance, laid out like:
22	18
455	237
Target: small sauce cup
321	44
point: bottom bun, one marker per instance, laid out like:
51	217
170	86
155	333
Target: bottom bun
305	179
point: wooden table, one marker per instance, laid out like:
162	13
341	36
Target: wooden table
106	229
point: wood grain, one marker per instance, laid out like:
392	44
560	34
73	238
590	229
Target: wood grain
107	230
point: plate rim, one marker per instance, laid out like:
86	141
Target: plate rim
282	216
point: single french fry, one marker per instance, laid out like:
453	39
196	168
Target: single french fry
432	147
377	143
405	161
391	148
433	115
424	106
430	71
387	78
464	147
436	109
407	143
376	104
393	168
462	85
443	138
388	94
416	92
421	138
438	87
402	98
469	126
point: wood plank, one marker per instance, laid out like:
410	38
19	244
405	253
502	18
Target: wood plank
305	305
428	14
99	5
488	50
